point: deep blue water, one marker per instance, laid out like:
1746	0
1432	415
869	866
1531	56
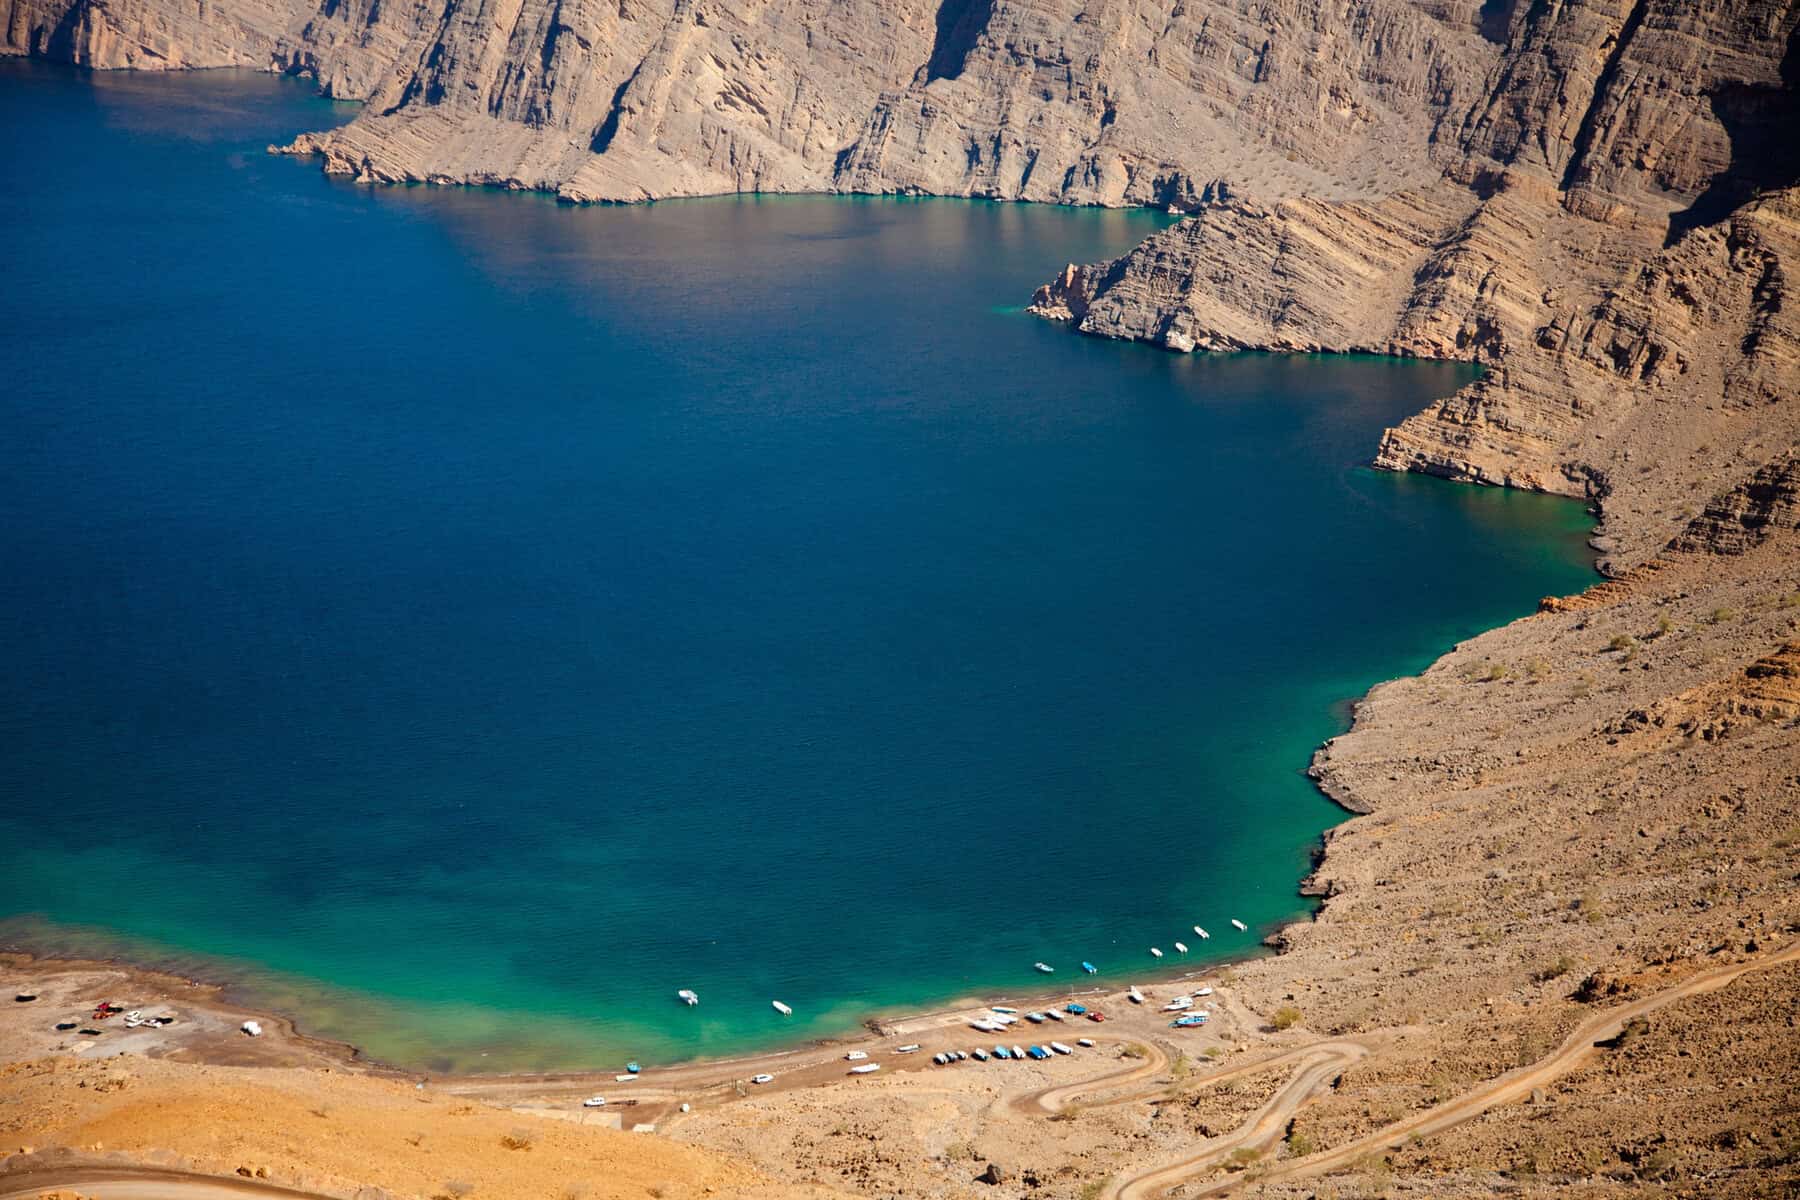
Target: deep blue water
469	619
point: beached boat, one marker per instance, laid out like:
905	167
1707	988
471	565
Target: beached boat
1018	1052
633	1067
1178	1003
1180	948
781	1008
1201	932
1046	968
1060	1048
1090	968
594	1102
1190	1021
1037	1053
1002	1052
1001	1008
253	1028
687	996
625	1078
985	1026
1135	996
1205	991
913	1048
1074	1008
1241	926
1053	1014
980	1054
866	1069
856	1055
1155	953
1088	1042
1035	1018
1004	1019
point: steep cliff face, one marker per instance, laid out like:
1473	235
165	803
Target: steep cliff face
1613	233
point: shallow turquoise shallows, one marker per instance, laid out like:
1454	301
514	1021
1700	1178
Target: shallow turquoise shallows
465	620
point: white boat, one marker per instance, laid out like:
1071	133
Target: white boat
1205	991
1005	1018
1178	1003
1001	1008
856	1055
1046	968
625	1078
985	1026
1053	1014
1180	948
1155	953
1088	1042
1135	996
912	1049
252	1028
687	996
1243	928
1018	1053
865	1069
1201	932
762	1079
781	1008
1060	1048
1035	1018
594	1102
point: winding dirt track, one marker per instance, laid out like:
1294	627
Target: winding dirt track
1262	1129
1054	1099
141	1183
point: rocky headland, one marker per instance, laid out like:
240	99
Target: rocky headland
1597	201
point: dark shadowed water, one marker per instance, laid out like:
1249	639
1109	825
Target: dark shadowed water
468	619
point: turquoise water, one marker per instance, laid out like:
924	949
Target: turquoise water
467	620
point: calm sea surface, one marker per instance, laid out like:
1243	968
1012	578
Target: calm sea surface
465	620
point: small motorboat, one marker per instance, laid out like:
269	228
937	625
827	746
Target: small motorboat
1035	1018
908	1049
781	1008
1002	1052
1155	953
1088	1042
1046	968
687	996
939	1059
856	1056
1053	1014
1074	1009
1201	932
594	1102
1135	996
253	1028
1242	928
1060	1048
1001	1008
763	1078
1180	948
1037	1053
986	1026
1191	1021
866	1069
980	1054
1205	991
1003	1019
1018	1052
1090	968
625	1078
633	1068
1178	1004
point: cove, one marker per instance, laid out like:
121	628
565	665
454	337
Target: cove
463	620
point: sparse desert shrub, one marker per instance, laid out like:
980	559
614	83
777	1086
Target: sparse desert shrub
1090	1190
1495	673
1240	1158
1286	1017
518	1139
1300	1144
1622	641
1719	616
1134	1051
456	1189
1537	668
1554	970
1664	625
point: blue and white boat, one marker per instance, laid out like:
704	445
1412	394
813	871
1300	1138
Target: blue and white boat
1046	968
1090	968
1002	1052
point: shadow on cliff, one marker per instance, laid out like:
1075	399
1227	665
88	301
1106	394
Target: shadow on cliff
1763	124
959	24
